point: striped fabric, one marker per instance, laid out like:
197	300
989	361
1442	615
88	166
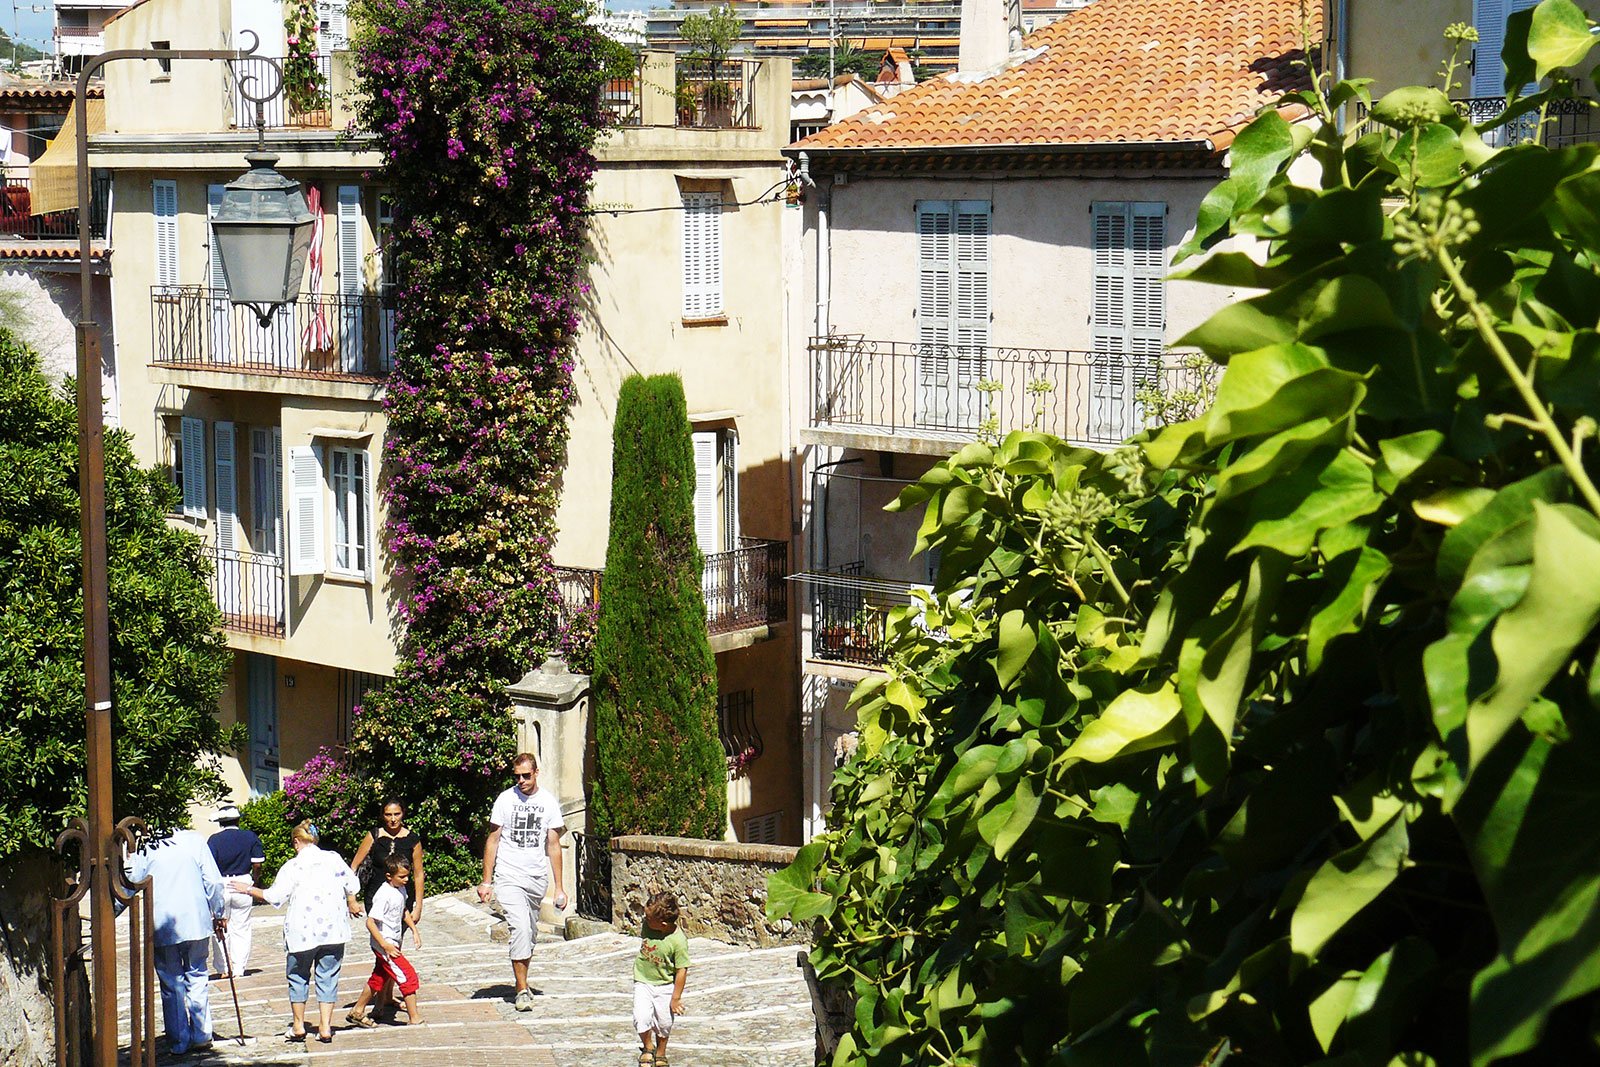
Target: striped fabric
318	335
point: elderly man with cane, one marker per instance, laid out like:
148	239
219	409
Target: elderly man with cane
187	897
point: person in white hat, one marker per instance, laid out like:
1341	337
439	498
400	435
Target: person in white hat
239	857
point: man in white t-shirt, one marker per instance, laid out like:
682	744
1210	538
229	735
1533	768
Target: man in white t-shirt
520	860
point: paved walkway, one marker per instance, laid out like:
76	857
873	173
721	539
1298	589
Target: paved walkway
743	1006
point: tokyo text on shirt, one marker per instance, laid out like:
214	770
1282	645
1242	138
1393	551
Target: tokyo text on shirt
524	823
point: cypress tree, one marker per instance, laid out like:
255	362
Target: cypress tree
660	768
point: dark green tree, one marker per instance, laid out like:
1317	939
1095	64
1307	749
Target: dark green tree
168	659
659	766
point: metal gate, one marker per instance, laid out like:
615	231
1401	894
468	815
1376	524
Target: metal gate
592	856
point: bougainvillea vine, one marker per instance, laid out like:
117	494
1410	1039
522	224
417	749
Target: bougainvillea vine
486	113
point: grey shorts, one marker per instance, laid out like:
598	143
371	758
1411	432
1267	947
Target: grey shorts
520	898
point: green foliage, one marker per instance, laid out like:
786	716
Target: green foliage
659	766
168	660
268	817
711	34
1269	738
848	58
486	113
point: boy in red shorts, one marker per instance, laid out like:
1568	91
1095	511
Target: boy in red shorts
388	911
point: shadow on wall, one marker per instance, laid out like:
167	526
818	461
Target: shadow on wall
40	309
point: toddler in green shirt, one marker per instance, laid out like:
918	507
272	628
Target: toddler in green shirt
659	973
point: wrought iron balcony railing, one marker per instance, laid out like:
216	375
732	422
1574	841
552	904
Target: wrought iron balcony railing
338	336
850	614
718	95
249	589
1564	122
308	105
955	392
744	587
18	221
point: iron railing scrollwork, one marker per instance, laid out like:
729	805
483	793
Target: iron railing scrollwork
250	590
743	587
954	391
340	335
592	873
277	112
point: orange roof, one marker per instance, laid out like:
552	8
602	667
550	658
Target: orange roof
1115	72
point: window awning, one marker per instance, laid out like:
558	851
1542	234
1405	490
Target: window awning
54	175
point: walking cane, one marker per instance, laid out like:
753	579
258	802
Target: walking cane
238	1015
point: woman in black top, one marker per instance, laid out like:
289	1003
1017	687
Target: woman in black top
391	838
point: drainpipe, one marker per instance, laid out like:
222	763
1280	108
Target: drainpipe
1341	54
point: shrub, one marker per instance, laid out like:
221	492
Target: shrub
486	114
655	678
168	658
577	639
268	817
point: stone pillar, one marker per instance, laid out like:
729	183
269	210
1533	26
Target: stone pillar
551	707
658	88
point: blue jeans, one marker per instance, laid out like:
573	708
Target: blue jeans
185	993
325	961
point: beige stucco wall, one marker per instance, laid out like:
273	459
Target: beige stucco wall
194	95
1402	45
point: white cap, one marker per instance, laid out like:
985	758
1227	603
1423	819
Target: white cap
227	813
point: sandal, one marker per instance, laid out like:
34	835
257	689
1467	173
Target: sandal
298	1039
366	1022
326	1039
647	1059
661	1061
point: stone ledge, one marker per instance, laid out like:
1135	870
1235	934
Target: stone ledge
696	848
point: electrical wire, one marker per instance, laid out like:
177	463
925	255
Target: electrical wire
764	197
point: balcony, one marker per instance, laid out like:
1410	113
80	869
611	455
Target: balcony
664	90
850	615
338	337
311	109
249	589
1566	122
18	223
932	398
744	588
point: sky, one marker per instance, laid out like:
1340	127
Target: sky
29	21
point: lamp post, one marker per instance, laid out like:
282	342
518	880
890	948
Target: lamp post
275	232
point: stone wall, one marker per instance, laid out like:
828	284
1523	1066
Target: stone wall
721	887
27	1018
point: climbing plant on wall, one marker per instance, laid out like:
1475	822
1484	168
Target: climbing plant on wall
486	114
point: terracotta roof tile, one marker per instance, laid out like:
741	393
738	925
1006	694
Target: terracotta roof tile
1117	71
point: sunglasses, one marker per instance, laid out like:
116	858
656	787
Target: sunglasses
520	775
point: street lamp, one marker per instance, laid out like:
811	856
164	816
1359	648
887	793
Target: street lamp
263	256
263	231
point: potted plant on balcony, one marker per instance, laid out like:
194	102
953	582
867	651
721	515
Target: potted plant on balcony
716	103
686	101
710	37
302	83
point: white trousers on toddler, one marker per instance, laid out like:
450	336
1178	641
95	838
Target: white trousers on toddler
652	1008
520	899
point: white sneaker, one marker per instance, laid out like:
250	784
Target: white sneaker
524	1000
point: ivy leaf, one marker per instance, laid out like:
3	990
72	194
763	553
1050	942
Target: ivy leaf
1509	506
1558	36
1135	721
1289	512
1344	885
1402	107
790	891
1256	154
1016	644
1534	639
1354	578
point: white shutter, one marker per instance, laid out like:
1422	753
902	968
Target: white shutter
935	310
305	511
1110	279
971	304
705	491
351	284
333	35
702	255
164	207
1488	62
369	549
227	486
730	489
1147	304
194	467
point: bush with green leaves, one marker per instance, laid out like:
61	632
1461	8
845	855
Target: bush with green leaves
168	659
659	766
267	816
1271	738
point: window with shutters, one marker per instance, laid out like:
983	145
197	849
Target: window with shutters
1127	312
305	510
953	311
702	256
193	445
716	490
351	282
164	209
350	485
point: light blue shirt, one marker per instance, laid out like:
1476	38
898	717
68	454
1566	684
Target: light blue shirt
186	890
